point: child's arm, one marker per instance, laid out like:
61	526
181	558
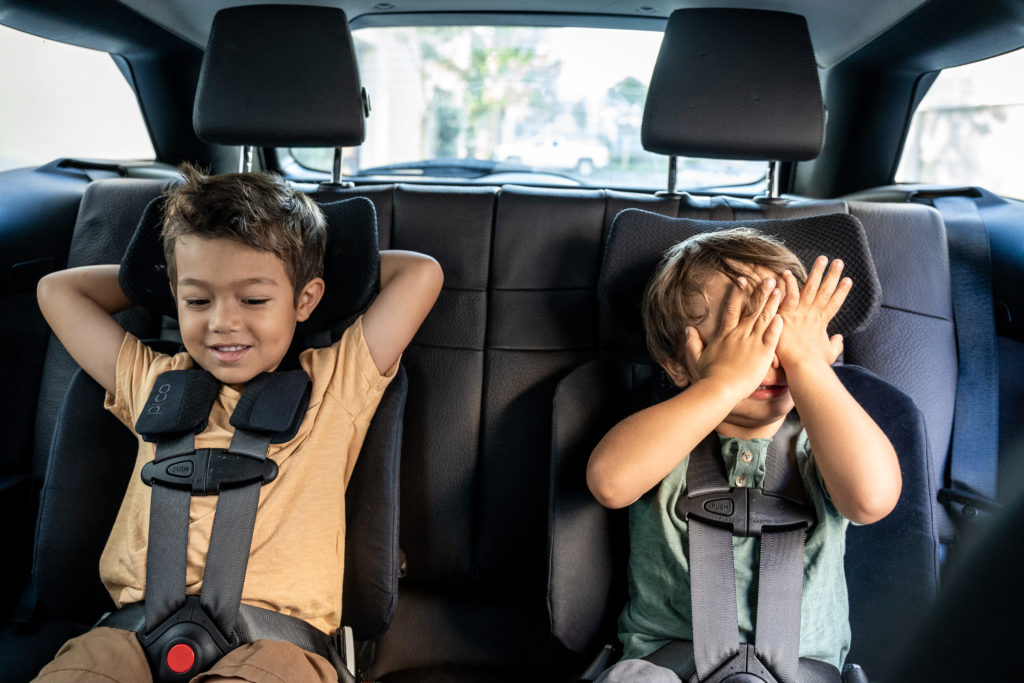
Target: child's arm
856	460
79	303
409	285
642	449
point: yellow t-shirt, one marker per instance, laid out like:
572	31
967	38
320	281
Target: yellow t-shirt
298	545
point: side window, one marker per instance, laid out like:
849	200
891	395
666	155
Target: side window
58	100
969	128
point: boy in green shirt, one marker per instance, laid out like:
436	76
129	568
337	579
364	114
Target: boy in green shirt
735	322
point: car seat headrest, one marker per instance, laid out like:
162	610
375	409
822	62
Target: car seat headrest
351	265
735	84
277	75
637	240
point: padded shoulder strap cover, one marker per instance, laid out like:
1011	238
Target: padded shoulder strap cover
273	402
180	402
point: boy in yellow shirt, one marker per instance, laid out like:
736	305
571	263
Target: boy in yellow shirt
245	257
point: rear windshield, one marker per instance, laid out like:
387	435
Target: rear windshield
548	106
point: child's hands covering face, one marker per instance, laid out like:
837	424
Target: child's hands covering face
807	312
740	350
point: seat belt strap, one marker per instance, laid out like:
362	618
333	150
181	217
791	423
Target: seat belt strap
975	454
231	537
712	597
166	561
779	598
781	565
712	569
176	411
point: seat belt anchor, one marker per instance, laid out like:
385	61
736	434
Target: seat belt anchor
968	507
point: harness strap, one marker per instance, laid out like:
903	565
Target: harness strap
270	410
779	597
782	529
230	539
712	568
713	597
166	560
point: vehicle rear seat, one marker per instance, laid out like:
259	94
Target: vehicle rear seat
517	313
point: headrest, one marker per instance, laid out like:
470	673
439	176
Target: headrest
735	84
277	75
351	265
637	240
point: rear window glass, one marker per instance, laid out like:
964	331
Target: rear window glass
514	104
58	100
969	128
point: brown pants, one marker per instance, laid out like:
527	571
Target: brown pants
110	654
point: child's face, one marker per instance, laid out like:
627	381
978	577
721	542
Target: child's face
236	306
771	401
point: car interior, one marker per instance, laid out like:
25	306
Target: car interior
475	550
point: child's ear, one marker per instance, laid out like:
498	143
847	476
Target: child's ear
676	372
309	297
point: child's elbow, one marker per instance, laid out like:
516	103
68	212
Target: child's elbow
432	274
874	505
424	275
47	290
607	491
44	287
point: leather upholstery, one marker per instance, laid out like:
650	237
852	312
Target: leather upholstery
518	312
248	95
770	106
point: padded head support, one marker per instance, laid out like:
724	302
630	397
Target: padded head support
351	265
277	75
735	84
637	239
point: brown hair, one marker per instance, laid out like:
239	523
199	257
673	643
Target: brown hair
260	210
668	303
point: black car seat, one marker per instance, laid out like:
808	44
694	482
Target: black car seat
73	523
742	84
80	502
587	540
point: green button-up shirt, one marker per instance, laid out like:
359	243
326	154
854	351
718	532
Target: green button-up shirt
658	610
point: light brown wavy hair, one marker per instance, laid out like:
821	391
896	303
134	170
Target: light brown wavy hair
674	298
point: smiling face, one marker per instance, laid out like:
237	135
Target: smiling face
236	306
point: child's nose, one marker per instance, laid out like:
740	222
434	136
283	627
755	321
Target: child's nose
224	317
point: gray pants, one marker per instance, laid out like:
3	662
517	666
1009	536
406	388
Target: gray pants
637	671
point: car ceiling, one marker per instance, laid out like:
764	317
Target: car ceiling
838	27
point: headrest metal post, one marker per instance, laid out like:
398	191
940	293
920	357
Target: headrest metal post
336	168
336	178
672	190
245	159
773	191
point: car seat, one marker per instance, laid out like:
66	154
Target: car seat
742	84
72	530
80	502
587	541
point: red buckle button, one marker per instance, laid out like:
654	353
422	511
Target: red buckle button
180	658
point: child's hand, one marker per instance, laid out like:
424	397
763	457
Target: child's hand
741	350
807	313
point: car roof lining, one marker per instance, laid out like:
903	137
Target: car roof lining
838	27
